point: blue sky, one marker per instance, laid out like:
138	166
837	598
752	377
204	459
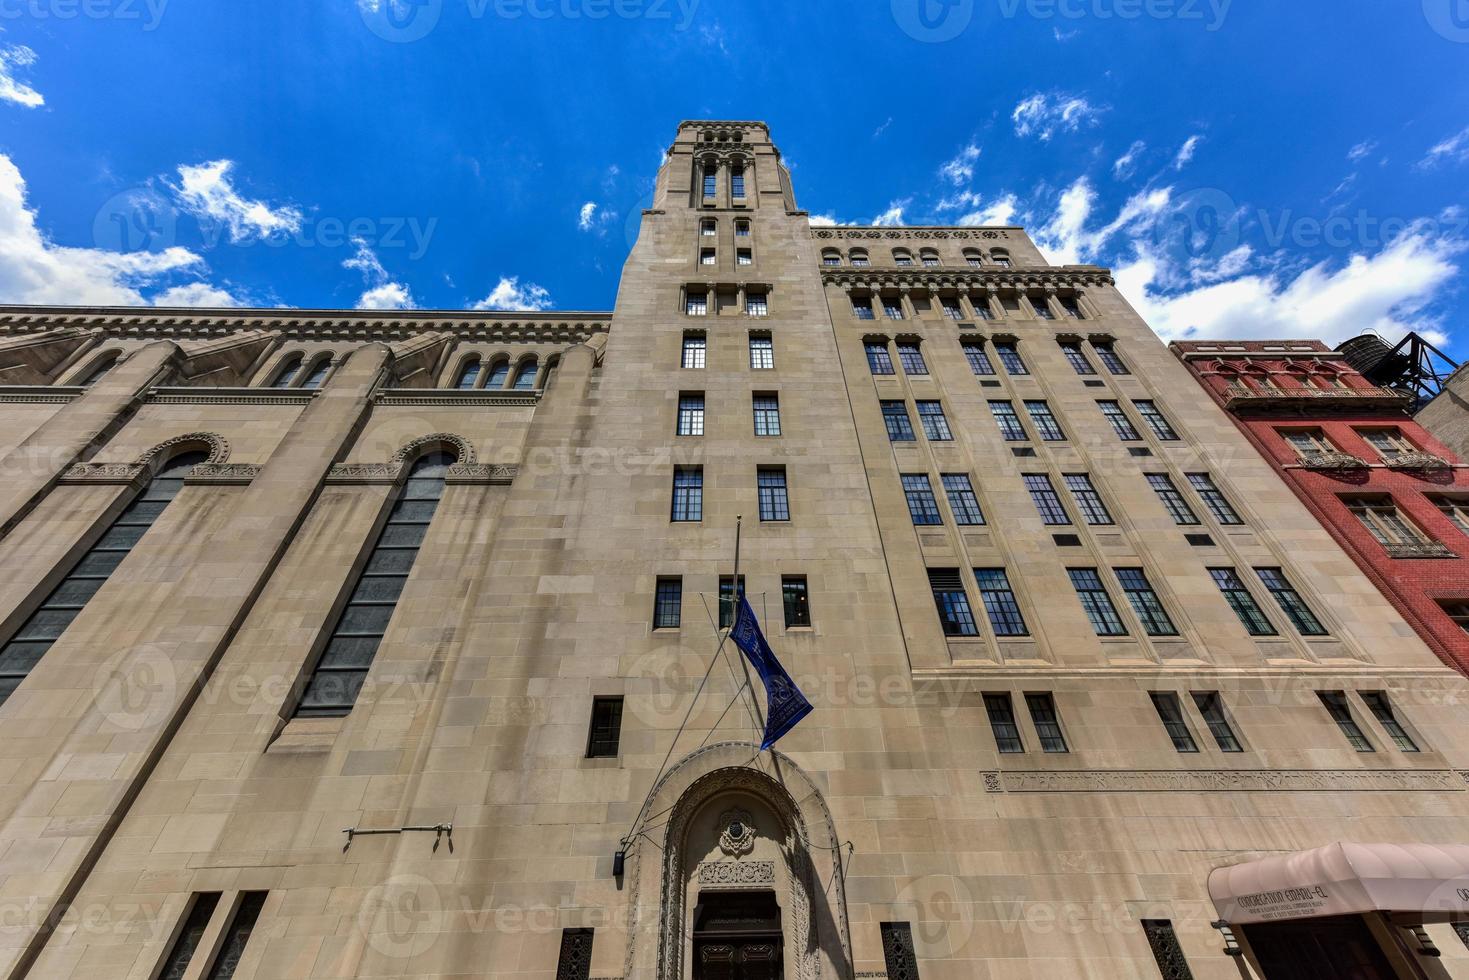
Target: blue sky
1247	168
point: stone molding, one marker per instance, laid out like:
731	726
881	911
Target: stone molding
39	394
454	398
219	447
223	474
912	234
364	474
481	474
1061	277
736	874
1228	780
463	451
230	396
109	474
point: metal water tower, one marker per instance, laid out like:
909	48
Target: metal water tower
1414	367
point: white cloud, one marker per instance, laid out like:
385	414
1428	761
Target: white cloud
207	191
1361	151
1124	166
382	293
509	294
960	201
1065	239
1063	36
999	212
196	294
960	170
12	57
35	270
1453	150
892	216
592	218
1186	154
823	220
1043	115
588	214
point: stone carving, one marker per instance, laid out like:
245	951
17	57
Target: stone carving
35	394
912	234
1017	279
480	473
738	836
219	448
462	449
733	874
225	474
992	783
111	473
230	396
1228	780
364	473
454	398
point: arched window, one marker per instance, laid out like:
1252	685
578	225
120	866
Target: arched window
525	376
334	684
902	257
47	624
1000	257
286	373
973	257
830	256
858	257
711	179
468	375
106	363
318	372
498	373
929	257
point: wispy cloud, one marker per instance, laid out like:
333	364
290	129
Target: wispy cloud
12	57
1045	114
1001	211
1186	154
1361	151
593	217
892	216
1453	151
509	294
1126	165
207	191
197	294
960	170
382	292
876	133
587	216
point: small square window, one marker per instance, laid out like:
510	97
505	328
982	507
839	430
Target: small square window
756	304
744	257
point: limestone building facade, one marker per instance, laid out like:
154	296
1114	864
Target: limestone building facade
344	644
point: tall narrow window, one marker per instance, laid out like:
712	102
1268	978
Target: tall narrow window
1290	602
286	373
1335	703
862	308
923	507
498	374
742	229
1211	706
737	181
605	732
767	413
1121	424
691	414
1071	308
1456	509
757	304
935	425
911	357
762	352
1076	357
1173	501
1002	722
999	602
187	943
668	603
1088	501
1100	611
1045	421
728	599
1047	501
711	180
695	349
1382	709
796	599
879	361
1110	358
1240	600
708	228
744	256
336	681
1213	498
951	307
688	493
1010	428
107	364
952	602
318	373
774	503
1042	307
1167	952
525	376
962	500
237	936
1144	601
1047	723
1010	357
900	426
1170	712
892	307
468	375
1155	420
46	625
978	358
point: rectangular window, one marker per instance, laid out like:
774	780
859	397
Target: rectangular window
831	260
1211	706
742	229
1308	443
774	504
1380	516
797	601
952	602
903	261
708	228
935	425
711	181
892	307
1456	509
962	500
900	426
1045	421
1110	359
756	304
930	261
1121	424
1173	501
605	731
1144	601
1077	358
1170	711
911	357
1096	602
737	182
706	256
862	309
698	304
1088	501
762	352
1010	357
999	602
668	603
1290	602
981	305
1243	604
1336	705
182	952
1047	500
879	361
237	936
1389	443
727	600
923	506
1071	308
860	260
1382	709
1047	723
1002	721
688	493
767	414
1154	420
952	309
1010	428
695	347
1458	611
979	359
1042	308
744	257
691	414
1213	499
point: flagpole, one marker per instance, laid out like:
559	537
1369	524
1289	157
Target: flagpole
739	595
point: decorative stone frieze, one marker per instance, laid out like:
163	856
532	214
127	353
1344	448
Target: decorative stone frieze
1227	781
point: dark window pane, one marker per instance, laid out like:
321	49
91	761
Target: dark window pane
379	588
365	619
331	692
188	938
237	936
99	563
75	591
350	651
46	624
413	511
20	656
398	561
403	535
121	537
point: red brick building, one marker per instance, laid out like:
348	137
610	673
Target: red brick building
1394	497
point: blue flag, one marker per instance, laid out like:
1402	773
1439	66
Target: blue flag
784	703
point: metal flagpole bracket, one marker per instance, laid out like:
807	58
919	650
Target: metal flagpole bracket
441	831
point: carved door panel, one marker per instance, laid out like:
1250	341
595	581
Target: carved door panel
738	959
760	960
715	961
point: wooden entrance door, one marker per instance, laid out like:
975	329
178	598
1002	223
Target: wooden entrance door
1308	949
737	937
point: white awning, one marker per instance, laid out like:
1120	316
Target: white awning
1420	882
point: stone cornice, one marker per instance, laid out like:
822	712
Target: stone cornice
57	394
231	396
1226	781
935	233
1057	277
454	398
